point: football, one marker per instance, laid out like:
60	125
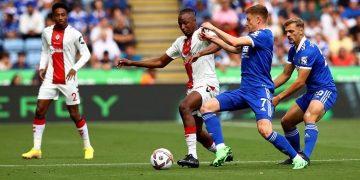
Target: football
161	159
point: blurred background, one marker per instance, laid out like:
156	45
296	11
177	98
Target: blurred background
137	29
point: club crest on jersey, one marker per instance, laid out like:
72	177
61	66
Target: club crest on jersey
57	37
303	60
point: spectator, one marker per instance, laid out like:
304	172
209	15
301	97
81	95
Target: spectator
343	41
130	53
105	62
343	58
352	11
312	29
21	63
97	14
5	63
322	44
148	77
123	35
31	22
16	80
356	29
48	20
103	26
78	18
310	12
222	60
226	18
104	44
10	26
202	12
331	28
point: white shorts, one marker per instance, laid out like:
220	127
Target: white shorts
51	91
206	91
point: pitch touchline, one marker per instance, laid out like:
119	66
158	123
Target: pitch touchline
133	164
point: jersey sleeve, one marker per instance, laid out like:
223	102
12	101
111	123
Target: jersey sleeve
290	59
45	52
84	51
308	59
174	50
260	39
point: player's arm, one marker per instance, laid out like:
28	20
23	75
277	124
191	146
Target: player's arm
227	38
295	86
159	62
44	58
224	45
212	48
284	76
84	57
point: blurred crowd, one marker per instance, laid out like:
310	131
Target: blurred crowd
105	24
108	29
333	24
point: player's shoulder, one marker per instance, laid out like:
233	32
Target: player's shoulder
262	32
310	47
48	29
73	31
179	39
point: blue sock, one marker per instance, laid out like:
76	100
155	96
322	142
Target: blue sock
311	134
294	139
281	144
213	127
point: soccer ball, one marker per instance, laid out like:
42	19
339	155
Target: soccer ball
161	159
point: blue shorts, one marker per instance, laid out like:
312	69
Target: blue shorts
259	100
325	96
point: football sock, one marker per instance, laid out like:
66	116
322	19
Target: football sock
213	127
38	129
311	134
190	138
83	131
281	144
294	139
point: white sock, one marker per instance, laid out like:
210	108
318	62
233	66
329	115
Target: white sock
38	132
84	133
191	143
219	146
212	148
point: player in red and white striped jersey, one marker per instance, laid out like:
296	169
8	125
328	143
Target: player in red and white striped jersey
60	43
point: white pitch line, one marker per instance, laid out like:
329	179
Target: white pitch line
134	164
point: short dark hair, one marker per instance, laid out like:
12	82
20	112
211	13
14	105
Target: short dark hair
258	10
297	21
59	5
187	10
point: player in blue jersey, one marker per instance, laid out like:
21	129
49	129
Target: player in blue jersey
256	86
313	71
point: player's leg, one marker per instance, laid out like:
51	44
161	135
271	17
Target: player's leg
292	117
203	136
191	102
82	129
322	101
227	101
71	93
38	128
260	102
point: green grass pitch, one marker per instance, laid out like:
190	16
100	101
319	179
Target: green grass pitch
122	151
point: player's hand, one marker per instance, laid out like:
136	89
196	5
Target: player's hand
204	36
71	75
208	26
123	62
42	74
275	101
192	58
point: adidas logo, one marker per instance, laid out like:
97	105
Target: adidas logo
307	135
262	109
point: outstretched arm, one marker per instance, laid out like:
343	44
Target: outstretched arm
227	38
284	76
298	84
159	62
224	45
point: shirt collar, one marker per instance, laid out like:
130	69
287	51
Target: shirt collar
303	39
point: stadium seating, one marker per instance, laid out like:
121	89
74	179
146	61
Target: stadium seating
13	46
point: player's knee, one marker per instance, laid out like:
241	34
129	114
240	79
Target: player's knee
264	131
205	108
184	108
310	117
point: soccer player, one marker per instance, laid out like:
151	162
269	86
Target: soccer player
256	86
321	93
201	86
60	42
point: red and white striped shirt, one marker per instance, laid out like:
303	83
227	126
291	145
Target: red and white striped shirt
59	47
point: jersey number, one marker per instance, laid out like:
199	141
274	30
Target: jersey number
74	96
